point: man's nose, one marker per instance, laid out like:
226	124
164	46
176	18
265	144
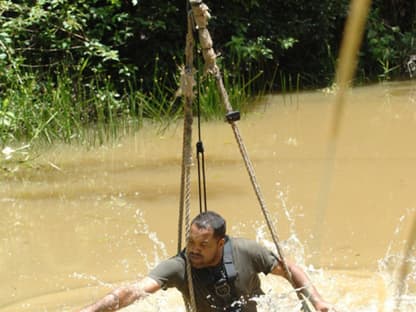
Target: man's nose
195	249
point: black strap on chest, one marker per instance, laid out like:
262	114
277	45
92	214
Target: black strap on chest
227	260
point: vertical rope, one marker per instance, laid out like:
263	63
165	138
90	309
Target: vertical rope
187	193
192	303
181	202
202	185
187	84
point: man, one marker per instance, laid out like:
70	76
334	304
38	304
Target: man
224	272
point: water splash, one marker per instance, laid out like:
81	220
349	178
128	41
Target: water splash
402	293
373	291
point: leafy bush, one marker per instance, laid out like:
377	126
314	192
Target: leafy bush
390	39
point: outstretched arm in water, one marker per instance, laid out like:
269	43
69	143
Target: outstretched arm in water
124	296
302	282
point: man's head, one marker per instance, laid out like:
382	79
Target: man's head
206	239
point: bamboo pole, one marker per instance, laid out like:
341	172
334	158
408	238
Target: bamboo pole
354	30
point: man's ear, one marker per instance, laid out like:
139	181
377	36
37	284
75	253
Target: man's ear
221	242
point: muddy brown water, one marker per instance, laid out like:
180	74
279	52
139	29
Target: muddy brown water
87	220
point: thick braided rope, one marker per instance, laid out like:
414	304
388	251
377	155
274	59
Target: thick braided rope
191	306
187	84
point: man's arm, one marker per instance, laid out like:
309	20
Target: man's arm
124	296
302	282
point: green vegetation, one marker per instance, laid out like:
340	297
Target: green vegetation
391	39
87	71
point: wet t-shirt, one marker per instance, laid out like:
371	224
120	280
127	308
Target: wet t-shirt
249	260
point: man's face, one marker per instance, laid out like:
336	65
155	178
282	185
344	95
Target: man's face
203	248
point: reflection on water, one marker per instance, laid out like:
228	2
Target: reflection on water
84	221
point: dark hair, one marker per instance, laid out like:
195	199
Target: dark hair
211	219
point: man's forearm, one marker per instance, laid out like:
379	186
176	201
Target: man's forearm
110	302
118	298
303	283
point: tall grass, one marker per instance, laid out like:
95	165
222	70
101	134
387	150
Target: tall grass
62	109
73	109
210	101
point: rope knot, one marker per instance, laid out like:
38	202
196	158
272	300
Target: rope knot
187	83
201	14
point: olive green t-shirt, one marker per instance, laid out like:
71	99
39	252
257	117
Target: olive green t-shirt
249	260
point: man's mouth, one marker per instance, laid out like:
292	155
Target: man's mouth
194	256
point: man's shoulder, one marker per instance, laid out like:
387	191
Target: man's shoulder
241	243
174	266
175	262
249	251
178	259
